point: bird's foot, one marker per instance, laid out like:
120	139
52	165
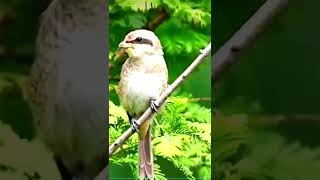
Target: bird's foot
134	125
154	106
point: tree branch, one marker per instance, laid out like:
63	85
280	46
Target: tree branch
226	55
152	25
276	120
161	17
148	113
199	99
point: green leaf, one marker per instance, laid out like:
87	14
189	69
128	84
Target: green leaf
116	112
141	5
169	146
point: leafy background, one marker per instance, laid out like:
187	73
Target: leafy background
183	33
267	122
267	125
182	132
22	155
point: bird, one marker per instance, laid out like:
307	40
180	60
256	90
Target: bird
144	76
66	89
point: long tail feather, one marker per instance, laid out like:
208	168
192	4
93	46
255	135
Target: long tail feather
145	156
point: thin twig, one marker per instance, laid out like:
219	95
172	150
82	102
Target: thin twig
287	119
276	120
152	25
148	113
199	99
159	19
226	55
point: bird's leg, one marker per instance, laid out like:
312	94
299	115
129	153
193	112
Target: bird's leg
134	125
153	105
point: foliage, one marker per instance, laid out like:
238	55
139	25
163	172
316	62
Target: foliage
190	17
182	132
261	77
183	33
181	139
240	153
184	30
34	163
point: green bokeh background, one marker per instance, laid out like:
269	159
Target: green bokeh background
275	84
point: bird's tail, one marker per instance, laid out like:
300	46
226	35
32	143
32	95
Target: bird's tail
145	156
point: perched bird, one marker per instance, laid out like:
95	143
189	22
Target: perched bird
67	86
144	76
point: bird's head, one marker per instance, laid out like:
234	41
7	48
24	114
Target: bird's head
141	42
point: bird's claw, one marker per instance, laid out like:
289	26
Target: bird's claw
154	106
134	125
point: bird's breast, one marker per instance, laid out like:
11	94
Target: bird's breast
139	88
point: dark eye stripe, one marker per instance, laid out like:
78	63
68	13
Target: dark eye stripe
141	41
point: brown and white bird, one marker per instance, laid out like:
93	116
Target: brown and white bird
144	76
67	87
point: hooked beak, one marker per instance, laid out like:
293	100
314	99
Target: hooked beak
123	44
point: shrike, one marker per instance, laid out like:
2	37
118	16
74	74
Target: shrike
144	76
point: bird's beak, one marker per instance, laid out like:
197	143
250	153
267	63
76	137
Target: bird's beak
123	44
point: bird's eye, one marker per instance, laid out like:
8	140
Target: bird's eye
139	39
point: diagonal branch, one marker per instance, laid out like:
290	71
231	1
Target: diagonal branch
226	55
221	61
152	26
157	21
148	113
